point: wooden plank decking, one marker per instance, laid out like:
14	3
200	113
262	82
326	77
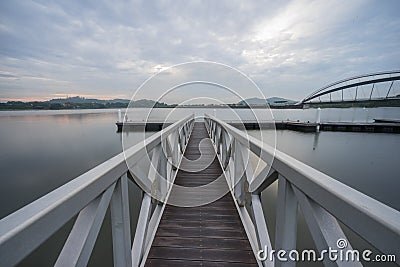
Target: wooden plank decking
209	235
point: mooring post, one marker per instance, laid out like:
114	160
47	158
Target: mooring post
119	115
318	119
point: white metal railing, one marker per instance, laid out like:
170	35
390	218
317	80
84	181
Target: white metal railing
89	195
323	200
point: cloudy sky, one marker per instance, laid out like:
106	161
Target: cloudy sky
106	50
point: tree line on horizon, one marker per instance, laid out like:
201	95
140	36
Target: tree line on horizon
87	103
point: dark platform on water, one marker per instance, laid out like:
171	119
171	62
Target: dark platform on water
361	127
386	121
209	235
379	126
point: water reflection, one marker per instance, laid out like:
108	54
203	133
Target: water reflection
316	137
41	153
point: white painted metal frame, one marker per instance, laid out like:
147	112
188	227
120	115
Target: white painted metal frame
89	196
323	200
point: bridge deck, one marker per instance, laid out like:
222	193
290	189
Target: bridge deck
209	235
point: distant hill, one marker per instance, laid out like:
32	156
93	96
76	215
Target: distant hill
280	101
145	103
78	102
141	103
272	101
253	102
83	100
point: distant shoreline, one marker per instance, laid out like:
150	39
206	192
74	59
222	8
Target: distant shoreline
84	104
168	107
215	107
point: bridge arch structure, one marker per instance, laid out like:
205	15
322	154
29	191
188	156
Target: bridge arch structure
367	87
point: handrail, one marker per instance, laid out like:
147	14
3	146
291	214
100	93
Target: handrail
89	195
320	197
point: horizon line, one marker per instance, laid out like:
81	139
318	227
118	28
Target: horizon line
105	98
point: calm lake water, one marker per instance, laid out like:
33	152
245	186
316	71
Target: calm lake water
42	150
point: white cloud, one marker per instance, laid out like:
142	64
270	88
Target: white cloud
101	47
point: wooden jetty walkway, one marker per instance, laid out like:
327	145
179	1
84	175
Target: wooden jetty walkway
208	235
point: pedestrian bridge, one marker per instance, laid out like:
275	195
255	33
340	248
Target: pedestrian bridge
377	86
189	216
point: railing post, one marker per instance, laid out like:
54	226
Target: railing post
175	148
213	129
324	228
239	175
170	162
82	238
187	135
286	221
153	174
181	139
218	140
120	221
162	177
141	230
184	133
216	134
223	152
231	163
261	227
